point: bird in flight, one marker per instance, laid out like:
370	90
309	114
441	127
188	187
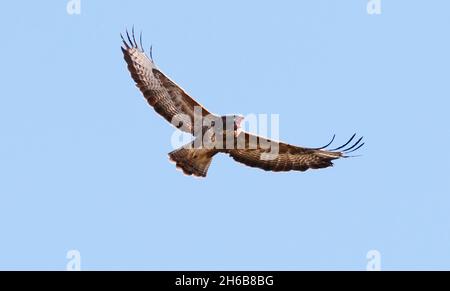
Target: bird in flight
181	110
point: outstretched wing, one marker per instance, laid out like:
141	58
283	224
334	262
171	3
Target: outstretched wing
166	97
269	155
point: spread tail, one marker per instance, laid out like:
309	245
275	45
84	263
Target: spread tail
193	161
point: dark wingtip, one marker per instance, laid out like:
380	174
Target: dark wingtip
360	146
354	156
131	42
140	41
124	42
354	145
134	38
151	52
344	145
129	38
324	147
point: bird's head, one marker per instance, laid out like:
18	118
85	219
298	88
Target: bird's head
237	121
232	122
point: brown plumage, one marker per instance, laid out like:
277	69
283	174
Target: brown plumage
288	157
166	97
178	108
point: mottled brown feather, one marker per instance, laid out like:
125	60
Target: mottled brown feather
289	157
166	97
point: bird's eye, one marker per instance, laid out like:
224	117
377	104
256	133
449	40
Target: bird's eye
213	123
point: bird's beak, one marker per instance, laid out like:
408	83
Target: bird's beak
239	120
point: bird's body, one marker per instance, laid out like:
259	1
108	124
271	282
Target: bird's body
215	134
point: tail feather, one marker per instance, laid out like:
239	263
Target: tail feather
193	161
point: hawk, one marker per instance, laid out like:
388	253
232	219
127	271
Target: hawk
177	107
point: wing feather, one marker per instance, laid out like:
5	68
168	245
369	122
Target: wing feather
289	157
165	96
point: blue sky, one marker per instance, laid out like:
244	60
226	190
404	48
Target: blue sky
83	159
